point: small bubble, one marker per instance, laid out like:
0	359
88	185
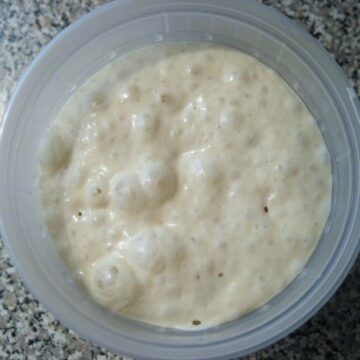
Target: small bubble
114	270
165	98
262	103
193	69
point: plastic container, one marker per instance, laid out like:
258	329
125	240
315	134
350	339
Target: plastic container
85	47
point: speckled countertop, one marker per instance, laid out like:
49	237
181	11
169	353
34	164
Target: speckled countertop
27	330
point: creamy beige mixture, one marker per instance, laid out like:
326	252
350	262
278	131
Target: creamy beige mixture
185	185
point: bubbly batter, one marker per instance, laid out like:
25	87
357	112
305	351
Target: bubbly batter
185	184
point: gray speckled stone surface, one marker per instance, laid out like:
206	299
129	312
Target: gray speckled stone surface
27	330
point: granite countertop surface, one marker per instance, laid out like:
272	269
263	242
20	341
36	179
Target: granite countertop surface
28	330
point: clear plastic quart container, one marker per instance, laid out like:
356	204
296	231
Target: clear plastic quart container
97	39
